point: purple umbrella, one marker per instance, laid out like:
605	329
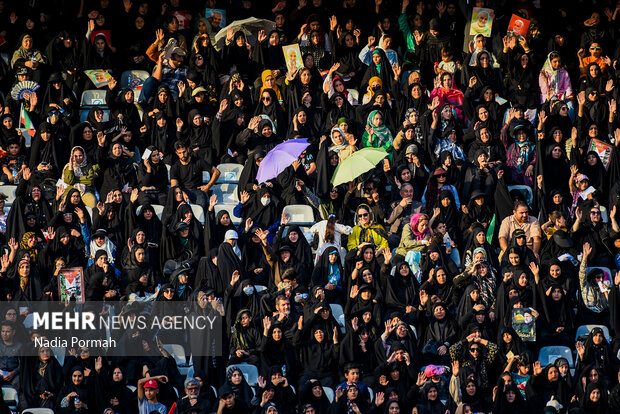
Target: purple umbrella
279	158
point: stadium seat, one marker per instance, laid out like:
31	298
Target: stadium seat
585	330
168	168
338	313
157	208
132	388
178	353
199	213
214	391
84	114
10	397
549	354
59	352
260	288
250	372
93	97
372	394
134	79
206	177
38	411
230	173
525	190
299	214
226	193
329	393
10	191
229	208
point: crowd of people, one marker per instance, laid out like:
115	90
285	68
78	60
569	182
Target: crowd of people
488	233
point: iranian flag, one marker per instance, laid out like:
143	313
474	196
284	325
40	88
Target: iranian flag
28	129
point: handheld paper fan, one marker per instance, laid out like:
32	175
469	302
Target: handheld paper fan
23	89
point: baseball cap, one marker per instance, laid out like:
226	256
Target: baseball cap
581	177
179	51
191	382
151	384
198	90
231	235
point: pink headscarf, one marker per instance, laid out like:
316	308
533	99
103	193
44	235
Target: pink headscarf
414	227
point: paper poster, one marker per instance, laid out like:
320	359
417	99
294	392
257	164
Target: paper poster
183	17
217	17
172	43
481	21
603	150
98	77
518	26
292	55
71	284
524	323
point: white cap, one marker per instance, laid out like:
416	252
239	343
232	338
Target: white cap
230	235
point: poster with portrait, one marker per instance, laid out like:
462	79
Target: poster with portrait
183	17
518	26
98	77
71	284
292	55
524	323
217	17
481	21
603	150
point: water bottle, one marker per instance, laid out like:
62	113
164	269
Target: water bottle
284	370
77	400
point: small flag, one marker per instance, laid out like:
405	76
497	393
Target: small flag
28	129
491	229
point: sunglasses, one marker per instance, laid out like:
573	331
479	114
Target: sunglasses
595	213
363	215
595	48
169	291
476	350
441	176
266	98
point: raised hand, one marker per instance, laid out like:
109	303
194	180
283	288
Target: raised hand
223	106
581	97
333	23
455	368
587	249
261	36
472	81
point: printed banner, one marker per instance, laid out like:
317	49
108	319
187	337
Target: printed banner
71	284
603	149
524	323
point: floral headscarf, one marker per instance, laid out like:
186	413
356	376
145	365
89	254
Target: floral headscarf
415	219
382	133
77	168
